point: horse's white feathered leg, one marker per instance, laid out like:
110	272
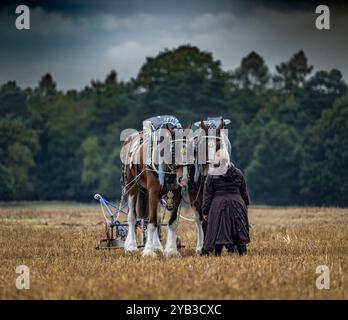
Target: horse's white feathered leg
171	248
131	240
149	249
200	234
156	242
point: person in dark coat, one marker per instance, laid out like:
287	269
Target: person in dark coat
225	201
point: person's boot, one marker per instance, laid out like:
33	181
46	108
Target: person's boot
218	249
204	253
242	249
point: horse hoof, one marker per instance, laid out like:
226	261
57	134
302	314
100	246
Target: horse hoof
149	253
131	248
199	251
171	253
158	249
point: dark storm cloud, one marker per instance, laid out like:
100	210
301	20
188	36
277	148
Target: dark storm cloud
124	6
80	40
293	5
158	6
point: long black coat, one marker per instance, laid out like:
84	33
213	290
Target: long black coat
225	201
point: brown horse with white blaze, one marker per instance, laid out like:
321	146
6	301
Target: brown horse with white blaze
139	173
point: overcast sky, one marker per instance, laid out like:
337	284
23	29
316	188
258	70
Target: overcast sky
77	41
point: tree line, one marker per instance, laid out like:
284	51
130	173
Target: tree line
288	127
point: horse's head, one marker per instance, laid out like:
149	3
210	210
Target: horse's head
184	155
174	152
212	145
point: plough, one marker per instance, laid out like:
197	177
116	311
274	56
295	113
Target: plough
116	231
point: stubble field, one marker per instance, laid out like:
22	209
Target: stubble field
57	242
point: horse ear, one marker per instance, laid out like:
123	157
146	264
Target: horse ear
187	131
221	125
203	126
167	127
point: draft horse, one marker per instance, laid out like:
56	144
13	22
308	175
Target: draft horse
140	173
208	139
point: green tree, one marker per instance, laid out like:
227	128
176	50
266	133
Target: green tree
12	100
112	103
61	124
324	170
252	73
282	108
18	145
47	86
7	189
273	174
243	145
65	145
182	79
321	91
292	74
92	163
